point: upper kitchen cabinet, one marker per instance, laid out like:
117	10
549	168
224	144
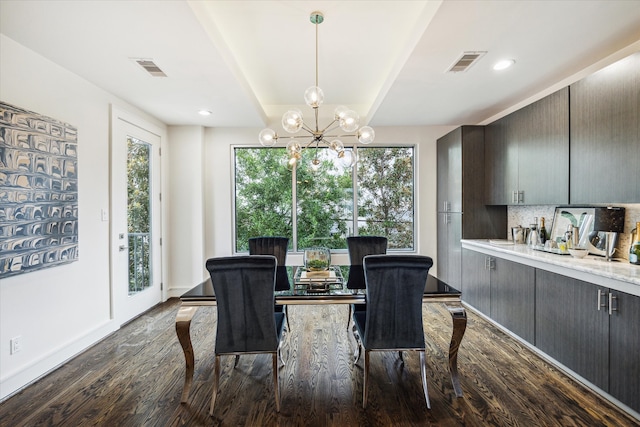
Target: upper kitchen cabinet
605	135
527	154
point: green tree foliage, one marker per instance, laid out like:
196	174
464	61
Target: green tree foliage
263	195
325	202
139	206
324	199
139	214
385	194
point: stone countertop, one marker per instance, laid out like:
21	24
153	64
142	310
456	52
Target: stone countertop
617	275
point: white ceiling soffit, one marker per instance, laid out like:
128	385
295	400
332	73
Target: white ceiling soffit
362	46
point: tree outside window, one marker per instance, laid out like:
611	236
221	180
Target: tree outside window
326	211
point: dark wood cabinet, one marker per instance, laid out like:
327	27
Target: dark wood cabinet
624	348
460	193
513	297
572	325
501	289
605	135
527	154
476	280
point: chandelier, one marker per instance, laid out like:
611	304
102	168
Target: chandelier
313	137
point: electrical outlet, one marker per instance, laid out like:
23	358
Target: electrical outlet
16	344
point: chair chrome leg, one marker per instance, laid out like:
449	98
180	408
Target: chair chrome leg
366	379
349	318
276	387
423	372
358	350
286	317
216	379
279	351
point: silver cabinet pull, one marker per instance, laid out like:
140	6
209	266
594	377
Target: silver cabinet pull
601	303
514	197
520	196
611	307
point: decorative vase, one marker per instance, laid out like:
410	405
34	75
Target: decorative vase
317	259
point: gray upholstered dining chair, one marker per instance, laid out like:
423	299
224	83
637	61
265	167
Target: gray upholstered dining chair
276	246
392	320
247	324
359	247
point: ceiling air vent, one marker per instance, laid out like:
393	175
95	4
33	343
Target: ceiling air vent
150	67
466	60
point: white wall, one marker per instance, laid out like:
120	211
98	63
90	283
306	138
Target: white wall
60	311
185	236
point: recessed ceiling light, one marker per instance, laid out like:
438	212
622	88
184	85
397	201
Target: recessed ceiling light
505	63
204	112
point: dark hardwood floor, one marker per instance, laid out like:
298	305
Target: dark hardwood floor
134	378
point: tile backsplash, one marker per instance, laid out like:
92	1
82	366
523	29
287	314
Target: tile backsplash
523	215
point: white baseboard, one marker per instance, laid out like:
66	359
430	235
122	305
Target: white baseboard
15	381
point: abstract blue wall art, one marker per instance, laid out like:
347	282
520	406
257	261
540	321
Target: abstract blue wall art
38	191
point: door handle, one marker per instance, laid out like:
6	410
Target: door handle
611	299
601	303
123	248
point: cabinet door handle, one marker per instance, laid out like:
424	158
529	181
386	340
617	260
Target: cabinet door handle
520	196
514	197
446	219
446	206
491	263
601	303
611	307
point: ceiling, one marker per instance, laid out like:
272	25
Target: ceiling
248	61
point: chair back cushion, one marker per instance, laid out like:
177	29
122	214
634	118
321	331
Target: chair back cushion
276	246
395	285
359	247
244	287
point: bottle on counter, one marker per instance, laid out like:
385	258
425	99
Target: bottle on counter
542	234
634	247
532	239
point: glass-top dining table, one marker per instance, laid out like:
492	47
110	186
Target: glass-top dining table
311	289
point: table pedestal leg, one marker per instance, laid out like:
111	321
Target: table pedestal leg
183	323
459	316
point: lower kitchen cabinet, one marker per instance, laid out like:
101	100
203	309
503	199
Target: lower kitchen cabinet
592	330
624	349
476	283
572	326
500	289
513	297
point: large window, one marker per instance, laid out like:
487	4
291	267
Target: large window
324	207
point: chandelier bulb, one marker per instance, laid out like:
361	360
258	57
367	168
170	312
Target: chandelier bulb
366	135
313	96
268	137
292	121
349	121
